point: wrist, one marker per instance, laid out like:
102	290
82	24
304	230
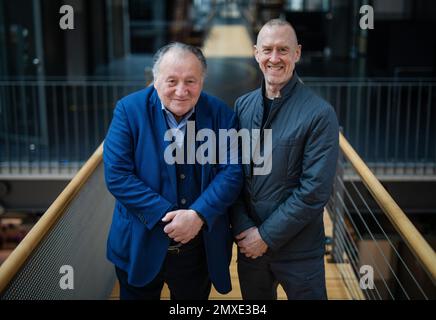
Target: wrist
203	220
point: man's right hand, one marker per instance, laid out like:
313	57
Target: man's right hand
251	243
183	225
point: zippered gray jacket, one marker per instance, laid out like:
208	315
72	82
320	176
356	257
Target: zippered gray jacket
287	204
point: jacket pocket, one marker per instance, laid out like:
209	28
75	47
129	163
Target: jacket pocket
294	160
288	159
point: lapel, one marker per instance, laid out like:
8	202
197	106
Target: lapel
256	123
161	128
203	120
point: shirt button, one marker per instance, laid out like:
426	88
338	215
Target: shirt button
183	201
182	176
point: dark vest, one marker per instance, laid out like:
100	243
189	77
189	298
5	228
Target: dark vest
188	180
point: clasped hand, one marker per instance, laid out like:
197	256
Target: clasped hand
183	225
251	243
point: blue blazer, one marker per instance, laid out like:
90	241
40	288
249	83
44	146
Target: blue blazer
145	188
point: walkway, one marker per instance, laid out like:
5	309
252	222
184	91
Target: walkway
336	286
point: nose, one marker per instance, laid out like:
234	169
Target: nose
274	58
181	90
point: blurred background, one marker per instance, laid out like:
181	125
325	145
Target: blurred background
58	89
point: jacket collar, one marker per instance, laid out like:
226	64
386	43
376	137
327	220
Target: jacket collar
201	109
287	90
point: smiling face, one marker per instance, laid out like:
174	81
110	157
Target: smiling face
179	81
277	51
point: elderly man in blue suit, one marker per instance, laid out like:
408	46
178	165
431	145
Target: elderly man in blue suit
170	222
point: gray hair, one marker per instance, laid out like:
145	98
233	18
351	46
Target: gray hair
157	58
277	23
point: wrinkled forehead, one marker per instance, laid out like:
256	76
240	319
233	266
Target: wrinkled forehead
276	35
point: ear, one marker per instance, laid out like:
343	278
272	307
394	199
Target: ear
256	53
297	53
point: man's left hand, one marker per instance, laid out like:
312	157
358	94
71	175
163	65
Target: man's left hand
184	225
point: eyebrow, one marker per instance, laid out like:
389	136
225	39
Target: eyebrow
177	77
270	46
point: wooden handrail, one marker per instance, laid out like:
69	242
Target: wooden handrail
398	218
413	238
22	252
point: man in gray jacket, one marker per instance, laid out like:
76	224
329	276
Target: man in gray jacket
278	220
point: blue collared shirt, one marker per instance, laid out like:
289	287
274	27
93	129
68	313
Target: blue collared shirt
177	126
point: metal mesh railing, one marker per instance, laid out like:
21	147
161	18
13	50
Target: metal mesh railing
70	261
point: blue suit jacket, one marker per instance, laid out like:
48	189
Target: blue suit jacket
145	188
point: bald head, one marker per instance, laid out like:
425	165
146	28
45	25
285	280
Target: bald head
277	51
277	23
